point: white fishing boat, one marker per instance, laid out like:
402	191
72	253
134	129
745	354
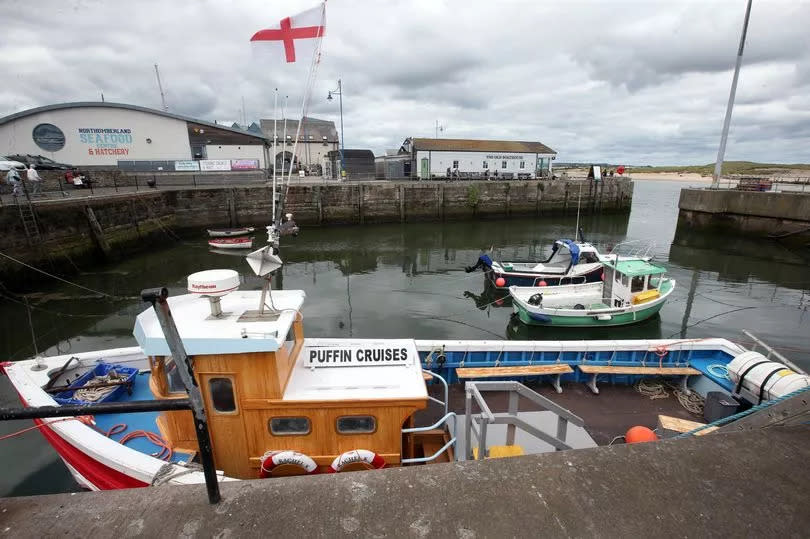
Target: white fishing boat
230	232
631	291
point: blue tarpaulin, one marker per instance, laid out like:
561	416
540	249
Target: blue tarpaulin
574	248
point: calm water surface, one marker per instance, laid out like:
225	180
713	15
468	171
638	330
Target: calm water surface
408	281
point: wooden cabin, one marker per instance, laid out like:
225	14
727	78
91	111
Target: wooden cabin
267	388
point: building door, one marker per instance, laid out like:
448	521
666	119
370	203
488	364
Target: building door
425	168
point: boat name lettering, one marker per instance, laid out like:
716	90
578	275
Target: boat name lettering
357	356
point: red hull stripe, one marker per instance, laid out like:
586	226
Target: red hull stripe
100	475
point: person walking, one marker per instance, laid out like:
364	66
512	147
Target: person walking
13	178
36	181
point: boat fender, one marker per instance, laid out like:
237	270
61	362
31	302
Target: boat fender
579	307
356	455
273	459
536	299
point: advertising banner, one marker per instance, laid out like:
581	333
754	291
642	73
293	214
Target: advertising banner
244	164
215	164
186	165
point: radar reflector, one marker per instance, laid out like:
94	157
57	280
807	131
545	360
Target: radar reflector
263	261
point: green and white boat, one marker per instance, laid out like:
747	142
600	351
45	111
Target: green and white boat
631	291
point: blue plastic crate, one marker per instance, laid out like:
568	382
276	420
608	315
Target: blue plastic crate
102	369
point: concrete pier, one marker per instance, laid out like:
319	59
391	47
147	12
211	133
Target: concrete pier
747	213
751	484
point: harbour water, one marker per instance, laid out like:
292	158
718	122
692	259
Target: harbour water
408	281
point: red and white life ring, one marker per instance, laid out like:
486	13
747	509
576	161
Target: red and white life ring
273	459
356	455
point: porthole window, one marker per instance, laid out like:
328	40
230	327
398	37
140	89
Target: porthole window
289	426
221	391
356	424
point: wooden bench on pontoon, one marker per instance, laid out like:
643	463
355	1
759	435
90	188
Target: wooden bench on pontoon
596	370
557	369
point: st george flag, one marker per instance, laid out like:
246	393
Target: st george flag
296	37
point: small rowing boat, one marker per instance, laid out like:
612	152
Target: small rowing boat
231	243
230	232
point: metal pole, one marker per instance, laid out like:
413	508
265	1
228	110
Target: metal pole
718	166
275	136
158	298
467	453
342	144
102	408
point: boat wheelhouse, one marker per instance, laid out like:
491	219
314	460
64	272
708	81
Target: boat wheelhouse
632	291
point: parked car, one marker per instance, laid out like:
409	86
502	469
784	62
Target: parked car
6	164
40	162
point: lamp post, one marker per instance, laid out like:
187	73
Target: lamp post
339	92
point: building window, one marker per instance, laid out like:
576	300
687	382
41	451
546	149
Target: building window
455	164
356	424
310	137
486	165
503	164
325	142
221	391
289	426
523	164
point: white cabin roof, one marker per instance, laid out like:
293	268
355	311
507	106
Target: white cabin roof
356	369
202	334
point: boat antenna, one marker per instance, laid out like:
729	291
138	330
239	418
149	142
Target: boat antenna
718	166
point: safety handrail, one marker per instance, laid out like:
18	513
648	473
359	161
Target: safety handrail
436	425
432	457
446	389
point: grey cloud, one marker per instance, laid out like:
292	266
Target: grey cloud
620	81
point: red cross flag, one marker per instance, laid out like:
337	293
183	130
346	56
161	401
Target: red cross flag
296	37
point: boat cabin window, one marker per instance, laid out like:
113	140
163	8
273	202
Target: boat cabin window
637	284
356	424
289	426
588	258
655	281
625	281
173	380
221	391
618	277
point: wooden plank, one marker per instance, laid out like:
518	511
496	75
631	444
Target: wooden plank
665	371
671	426
532	370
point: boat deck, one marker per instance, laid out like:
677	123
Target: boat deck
607	415
144	421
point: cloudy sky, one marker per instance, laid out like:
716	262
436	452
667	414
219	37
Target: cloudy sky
643	82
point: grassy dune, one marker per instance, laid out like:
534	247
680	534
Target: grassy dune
729	167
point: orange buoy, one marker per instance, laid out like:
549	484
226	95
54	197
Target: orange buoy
639	434
500	281
542	283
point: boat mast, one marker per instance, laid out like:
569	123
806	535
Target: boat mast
579	198
275	136
718	166
160	87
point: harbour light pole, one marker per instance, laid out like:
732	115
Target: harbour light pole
718	166
339	92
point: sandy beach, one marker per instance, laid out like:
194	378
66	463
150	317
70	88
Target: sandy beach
691	177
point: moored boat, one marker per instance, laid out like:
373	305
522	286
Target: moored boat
570	262
231	243
632	291
230	232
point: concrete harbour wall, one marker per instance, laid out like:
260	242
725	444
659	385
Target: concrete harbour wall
133	221
747	213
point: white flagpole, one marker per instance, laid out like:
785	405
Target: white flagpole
275	136
313	68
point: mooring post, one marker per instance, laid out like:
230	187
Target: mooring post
97	232
158	297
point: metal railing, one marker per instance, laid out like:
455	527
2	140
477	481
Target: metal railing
486	417
446	390
440	423
798	184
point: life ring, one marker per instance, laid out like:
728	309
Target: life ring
356	455
273	459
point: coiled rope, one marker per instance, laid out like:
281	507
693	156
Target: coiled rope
692	402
